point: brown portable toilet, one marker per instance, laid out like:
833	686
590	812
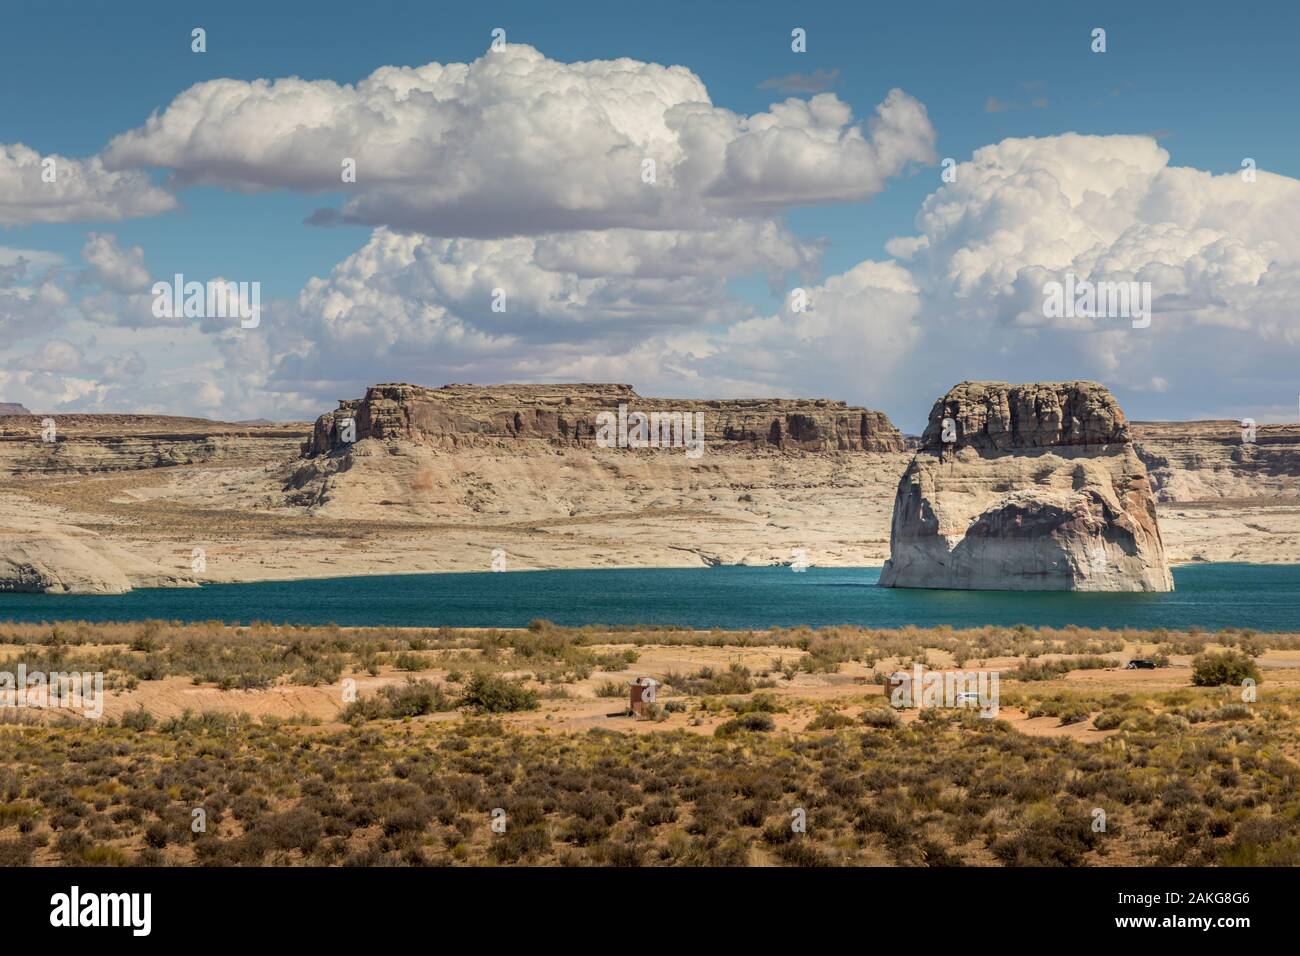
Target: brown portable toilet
896	680
641	693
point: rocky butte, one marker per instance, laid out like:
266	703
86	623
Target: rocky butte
1029	488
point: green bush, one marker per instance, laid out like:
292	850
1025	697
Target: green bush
494	694
830	720
880	717
1230	667
1108	720
1051	670
406	661
736	679
755	721
758	704
412	699
138	719
1232	712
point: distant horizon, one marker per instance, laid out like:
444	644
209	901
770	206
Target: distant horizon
843	200
906	431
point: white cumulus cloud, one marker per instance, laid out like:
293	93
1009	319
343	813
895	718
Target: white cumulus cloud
83	190
515	143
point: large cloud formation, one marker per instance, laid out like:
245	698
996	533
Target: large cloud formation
1103	207
1221	252
590	306
82	190
521	174
518	144
518	181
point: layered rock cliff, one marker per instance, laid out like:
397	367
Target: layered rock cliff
1026	487
1209	460
92	444
43	549
457	416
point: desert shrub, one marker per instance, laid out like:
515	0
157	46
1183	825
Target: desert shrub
610	688
616	660
1108	720
1051	670
1232	712
1262	842
411	699
830	720
1073	715
1051	842
104	855
18	812
825	654
1230	667
494	694
758	722
880	717
157	834
406	661
138	719
659	811
622	854
298	828
416	697
16	852
1171	723
758	704
732	851
736	679
801	852
520	843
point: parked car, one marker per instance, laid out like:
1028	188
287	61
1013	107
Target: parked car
1140	666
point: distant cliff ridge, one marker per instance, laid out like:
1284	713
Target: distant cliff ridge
456	416
12	408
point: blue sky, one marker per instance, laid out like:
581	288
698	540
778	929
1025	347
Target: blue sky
1210	82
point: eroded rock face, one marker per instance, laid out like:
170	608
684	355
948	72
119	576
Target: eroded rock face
457	416
42	560
91	444
1208	460
1038	488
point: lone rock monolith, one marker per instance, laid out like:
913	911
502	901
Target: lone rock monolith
1026	488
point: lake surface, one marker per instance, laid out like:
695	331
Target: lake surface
1210	596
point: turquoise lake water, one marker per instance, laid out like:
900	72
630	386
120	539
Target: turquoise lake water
1210	596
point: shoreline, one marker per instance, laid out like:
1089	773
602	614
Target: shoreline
367	574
